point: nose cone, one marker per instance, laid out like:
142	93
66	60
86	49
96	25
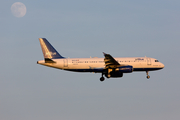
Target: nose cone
162	65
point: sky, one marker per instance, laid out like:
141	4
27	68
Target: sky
85	28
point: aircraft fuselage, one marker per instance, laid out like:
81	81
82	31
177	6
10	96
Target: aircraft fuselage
97	64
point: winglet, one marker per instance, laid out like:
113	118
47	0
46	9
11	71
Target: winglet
104	53
48	50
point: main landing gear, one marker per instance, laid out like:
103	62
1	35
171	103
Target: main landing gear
147	73
102	78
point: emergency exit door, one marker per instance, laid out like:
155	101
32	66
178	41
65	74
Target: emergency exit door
65	63
148	61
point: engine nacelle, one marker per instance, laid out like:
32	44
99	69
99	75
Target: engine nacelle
116	74
125	69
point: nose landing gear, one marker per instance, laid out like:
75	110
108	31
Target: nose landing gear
147	73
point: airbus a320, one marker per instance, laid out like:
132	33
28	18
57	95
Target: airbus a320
108	66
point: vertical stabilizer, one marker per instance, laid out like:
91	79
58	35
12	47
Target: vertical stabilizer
48	50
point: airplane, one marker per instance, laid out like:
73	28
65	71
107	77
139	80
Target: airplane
108	66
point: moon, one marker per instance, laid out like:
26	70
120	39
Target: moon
18	9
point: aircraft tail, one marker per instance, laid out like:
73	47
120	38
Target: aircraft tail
48	50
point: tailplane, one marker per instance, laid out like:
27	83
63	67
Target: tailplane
48	50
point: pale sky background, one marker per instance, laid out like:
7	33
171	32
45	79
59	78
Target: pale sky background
84	28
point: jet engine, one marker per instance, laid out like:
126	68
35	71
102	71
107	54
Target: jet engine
118	72
125	69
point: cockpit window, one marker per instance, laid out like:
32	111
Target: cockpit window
156	61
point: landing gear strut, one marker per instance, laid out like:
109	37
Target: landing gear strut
102	78
147	73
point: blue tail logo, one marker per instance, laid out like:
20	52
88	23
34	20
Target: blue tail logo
48	50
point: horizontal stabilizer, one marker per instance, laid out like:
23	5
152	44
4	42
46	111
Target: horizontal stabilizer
47	60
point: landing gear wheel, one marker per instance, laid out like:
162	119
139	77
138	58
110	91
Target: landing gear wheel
148	77
147	73
102	79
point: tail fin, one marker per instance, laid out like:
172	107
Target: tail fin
48	50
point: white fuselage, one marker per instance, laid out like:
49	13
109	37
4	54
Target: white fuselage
98	64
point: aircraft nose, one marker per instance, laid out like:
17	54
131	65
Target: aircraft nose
162	65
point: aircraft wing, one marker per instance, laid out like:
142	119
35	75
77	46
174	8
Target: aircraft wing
110	62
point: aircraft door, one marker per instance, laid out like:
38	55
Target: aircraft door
148	61
65	63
